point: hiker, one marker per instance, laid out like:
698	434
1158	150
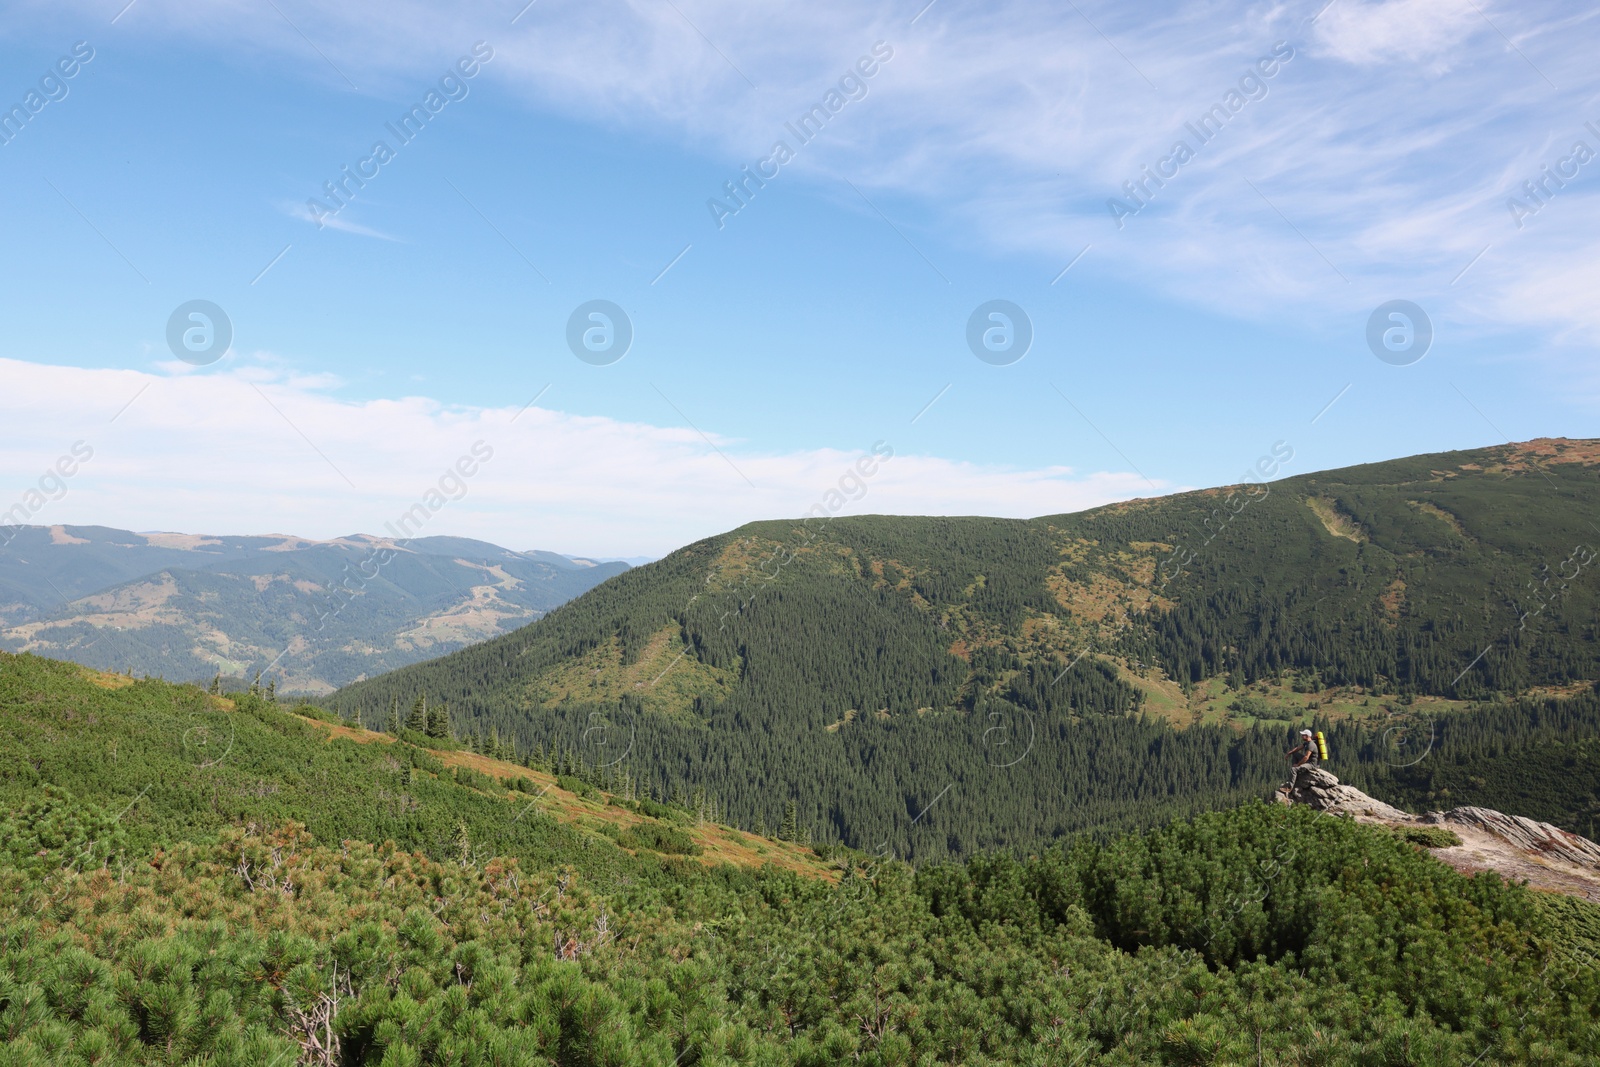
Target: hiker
1302	755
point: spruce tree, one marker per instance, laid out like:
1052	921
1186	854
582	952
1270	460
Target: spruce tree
439	722
790	830
418	719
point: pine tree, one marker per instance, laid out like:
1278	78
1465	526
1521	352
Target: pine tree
418	719
216	685
255	686
393	726
272	689
790	830
439	722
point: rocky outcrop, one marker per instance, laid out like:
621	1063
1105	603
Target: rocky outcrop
1530	835
1544	856
1316	788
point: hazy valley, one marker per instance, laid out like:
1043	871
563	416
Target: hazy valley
313	614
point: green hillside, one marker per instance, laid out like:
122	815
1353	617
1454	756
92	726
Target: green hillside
185	765
162	901
938	686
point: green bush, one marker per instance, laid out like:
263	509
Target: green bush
1252	706
421	759
578	786
311	711
664	811
1430	836
478	936
475	779
659	838
1261	934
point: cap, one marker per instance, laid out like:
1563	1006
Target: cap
1305	733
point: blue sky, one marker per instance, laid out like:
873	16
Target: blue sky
1384	159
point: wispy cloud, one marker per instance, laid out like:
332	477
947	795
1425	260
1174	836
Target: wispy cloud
334	222
1387	148
1425	32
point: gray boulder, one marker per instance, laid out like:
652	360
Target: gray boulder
1319	789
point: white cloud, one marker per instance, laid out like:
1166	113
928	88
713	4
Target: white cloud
1412	31
1387	147
230	452
332	221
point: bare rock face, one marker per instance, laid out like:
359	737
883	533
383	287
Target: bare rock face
1515	847
1319	789
1529	835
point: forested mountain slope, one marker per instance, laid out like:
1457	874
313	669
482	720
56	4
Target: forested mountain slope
162	902
929	685
316	614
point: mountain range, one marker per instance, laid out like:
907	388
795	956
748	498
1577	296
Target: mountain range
938	686
665	823
313	614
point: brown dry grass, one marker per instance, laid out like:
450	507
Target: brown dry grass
1435	511
1393	599
1553	449
106	680
1334	520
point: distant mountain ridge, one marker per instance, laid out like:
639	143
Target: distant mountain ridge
314	614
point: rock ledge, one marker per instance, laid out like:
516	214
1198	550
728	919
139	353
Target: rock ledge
1317	788
1545	856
